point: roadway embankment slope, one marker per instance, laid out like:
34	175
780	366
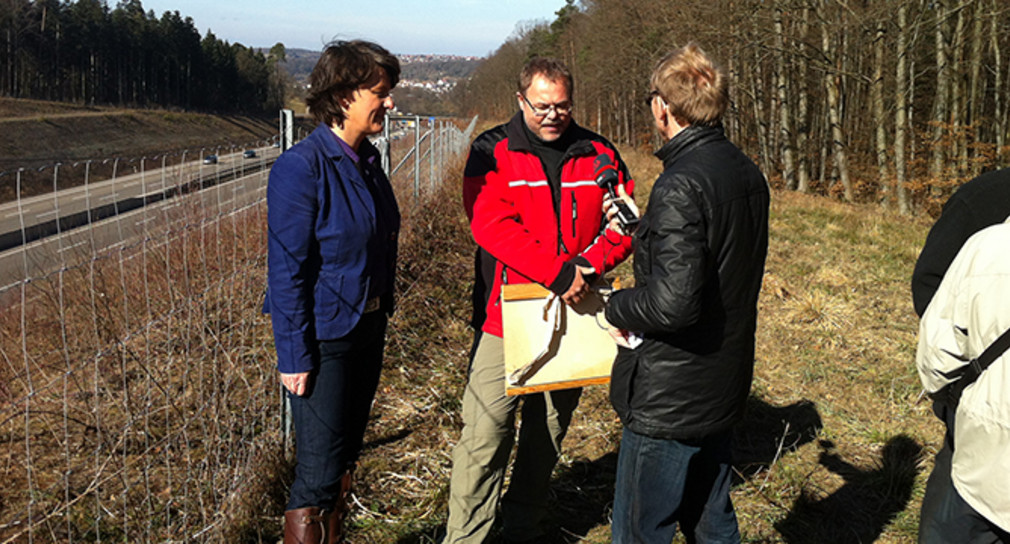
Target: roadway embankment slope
36	133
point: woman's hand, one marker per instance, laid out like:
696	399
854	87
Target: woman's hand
610	210
298	383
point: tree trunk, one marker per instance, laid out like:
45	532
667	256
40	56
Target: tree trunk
941	99
900	97
877	99
831	84
761	124
974	94
997	85
803	113
785	132
957	106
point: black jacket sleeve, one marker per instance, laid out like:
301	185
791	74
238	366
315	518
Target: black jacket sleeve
671	297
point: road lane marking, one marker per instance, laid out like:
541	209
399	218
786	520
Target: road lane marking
78	244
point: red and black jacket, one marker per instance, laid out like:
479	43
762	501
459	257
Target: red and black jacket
527	230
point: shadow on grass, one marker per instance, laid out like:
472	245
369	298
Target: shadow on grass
867	502
767	432
582	494
581	498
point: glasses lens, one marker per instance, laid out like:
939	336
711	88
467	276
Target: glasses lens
559	109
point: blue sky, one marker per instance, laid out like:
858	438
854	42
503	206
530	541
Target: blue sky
456	27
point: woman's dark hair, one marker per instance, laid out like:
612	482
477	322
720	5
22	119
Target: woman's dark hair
342	68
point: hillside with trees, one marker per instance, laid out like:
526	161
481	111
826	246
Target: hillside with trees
896	101
84	52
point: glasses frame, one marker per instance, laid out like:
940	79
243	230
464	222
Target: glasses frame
652	95
538	112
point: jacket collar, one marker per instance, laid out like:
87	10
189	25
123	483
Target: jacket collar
333	150
686	140
518	139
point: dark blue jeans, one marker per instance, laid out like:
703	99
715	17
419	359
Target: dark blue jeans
661	483
330	420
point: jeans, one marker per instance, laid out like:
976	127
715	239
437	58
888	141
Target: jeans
330	419
661	483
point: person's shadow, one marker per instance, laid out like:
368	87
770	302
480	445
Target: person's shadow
582	494
768	432
867	502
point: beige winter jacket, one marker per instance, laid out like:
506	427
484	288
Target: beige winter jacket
970	310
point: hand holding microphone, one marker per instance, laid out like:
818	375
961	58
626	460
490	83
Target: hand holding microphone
618	204
617	209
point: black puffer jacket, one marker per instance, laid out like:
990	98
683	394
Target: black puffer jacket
699	258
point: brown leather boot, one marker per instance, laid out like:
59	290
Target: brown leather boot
306	526
342	507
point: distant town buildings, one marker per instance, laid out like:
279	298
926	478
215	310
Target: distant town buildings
434	73
436	58
445	71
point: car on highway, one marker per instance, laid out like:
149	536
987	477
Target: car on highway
249	154
210	159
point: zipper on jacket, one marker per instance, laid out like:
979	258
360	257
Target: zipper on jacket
575	213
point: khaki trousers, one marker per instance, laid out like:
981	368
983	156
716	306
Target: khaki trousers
481	456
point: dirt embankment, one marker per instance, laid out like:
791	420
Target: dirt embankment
35	133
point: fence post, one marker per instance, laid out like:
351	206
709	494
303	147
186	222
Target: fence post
287	123
287	439
387	151
417	156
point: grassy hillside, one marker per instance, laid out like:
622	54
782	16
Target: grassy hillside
35	133
835	448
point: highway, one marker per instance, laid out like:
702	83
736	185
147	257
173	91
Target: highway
41	234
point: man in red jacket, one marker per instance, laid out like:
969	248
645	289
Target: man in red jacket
536	214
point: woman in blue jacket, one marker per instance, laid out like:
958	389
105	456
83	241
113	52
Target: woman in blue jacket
332	242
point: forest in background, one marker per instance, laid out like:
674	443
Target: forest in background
84	52
891	101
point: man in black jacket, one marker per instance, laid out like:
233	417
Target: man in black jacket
684	369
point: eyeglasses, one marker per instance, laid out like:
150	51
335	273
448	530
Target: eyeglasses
652	94
563	108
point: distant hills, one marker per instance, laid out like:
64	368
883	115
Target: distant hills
416	70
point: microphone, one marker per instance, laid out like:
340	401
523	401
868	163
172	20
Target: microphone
607	178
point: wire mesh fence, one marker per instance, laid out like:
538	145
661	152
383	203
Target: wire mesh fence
138	396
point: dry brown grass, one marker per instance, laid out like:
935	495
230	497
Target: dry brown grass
135	402
834	447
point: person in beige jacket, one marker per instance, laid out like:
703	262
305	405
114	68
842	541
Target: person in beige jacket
966	497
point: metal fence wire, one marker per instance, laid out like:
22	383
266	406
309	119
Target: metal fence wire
138	391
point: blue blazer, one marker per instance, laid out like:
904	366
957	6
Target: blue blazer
332	243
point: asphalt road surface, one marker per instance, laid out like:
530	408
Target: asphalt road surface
45	233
